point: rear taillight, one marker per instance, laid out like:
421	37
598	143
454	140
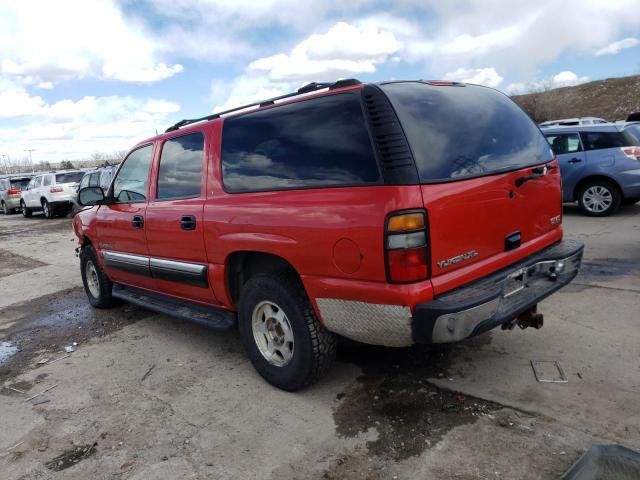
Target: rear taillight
56	189
13	191
406	247
632	152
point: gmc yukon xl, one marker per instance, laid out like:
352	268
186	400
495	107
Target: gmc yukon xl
392	213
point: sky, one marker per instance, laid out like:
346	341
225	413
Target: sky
84	76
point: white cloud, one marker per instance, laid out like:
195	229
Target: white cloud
615	47
343	50
243	91
562	79
70	129
44	43
481	76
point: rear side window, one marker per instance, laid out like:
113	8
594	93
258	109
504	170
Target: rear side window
602	140
319	142
467	131
70	177
564	143
180	173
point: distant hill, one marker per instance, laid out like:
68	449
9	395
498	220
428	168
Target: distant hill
611	99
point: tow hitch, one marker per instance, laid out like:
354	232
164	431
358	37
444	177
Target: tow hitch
528	318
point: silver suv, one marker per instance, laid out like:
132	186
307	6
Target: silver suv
10	188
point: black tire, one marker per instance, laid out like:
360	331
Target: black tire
5	210
314	347
608	186
26	211
47	209
103	298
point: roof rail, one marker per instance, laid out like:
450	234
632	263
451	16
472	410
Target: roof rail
310	87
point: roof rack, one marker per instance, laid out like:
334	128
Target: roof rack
310	87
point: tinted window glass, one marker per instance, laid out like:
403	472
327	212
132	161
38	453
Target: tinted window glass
85	181
69	177
635	131
131	183
565	143
46	181
458	132
180	171
20	183
37	182
312	143
601	140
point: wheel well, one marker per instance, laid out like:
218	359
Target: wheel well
585	180
241	266
42	200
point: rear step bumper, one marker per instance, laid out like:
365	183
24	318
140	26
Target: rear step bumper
497	299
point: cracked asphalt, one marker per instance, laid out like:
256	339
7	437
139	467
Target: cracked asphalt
145	396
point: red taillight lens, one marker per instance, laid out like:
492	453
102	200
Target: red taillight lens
407	265
632	152
56	189
13	191
406	247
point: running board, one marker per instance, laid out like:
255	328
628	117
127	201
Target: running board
213	317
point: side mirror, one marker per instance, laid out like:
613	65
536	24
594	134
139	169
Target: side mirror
90	196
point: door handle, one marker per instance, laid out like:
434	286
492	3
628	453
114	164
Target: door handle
138	221
575	160
188	222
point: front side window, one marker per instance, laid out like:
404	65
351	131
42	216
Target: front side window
85	181
564	143
602	140
131	183
38	182
47	181
180	173
458	132
94	179
319	142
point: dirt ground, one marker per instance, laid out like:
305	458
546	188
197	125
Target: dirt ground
145	396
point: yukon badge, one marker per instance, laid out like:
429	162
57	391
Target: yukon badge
457	259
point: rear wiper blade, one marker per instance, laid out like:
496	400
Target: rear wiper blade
536	172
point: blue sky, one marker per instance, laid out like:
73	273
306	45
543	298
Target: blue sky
84	76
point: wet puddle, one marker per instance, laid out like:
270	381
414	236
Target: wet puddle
7	350
395	397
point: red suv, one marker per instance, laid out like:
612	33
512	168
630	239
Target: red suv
392	214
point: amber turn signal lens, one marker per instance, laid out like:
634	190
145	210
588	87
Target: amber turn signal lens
406	222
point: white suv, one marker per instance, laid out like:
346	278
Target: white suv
50	192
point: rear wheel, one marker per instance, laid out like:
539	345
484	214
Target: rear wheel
26	211
599	198
282	335
97	285
47	209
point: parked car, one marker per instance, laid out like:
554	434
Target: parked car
10	188
391	214
51	193
599	165
100	177
566	122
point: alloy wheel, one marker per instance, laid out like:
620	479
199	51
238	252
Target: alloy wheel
597	199
272	333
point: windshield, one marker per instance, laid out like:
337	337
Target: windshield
69	177
459	132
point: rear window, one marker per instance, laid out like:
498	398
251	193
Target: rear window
69	177
467	131
319	142
635	131
602	140
19	182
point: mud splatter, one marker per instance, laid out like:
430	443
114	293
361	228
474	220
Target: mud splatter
70	457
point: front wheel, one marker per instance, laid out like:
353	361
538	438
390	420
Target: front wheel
599	198
26	211
282	335
97	285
